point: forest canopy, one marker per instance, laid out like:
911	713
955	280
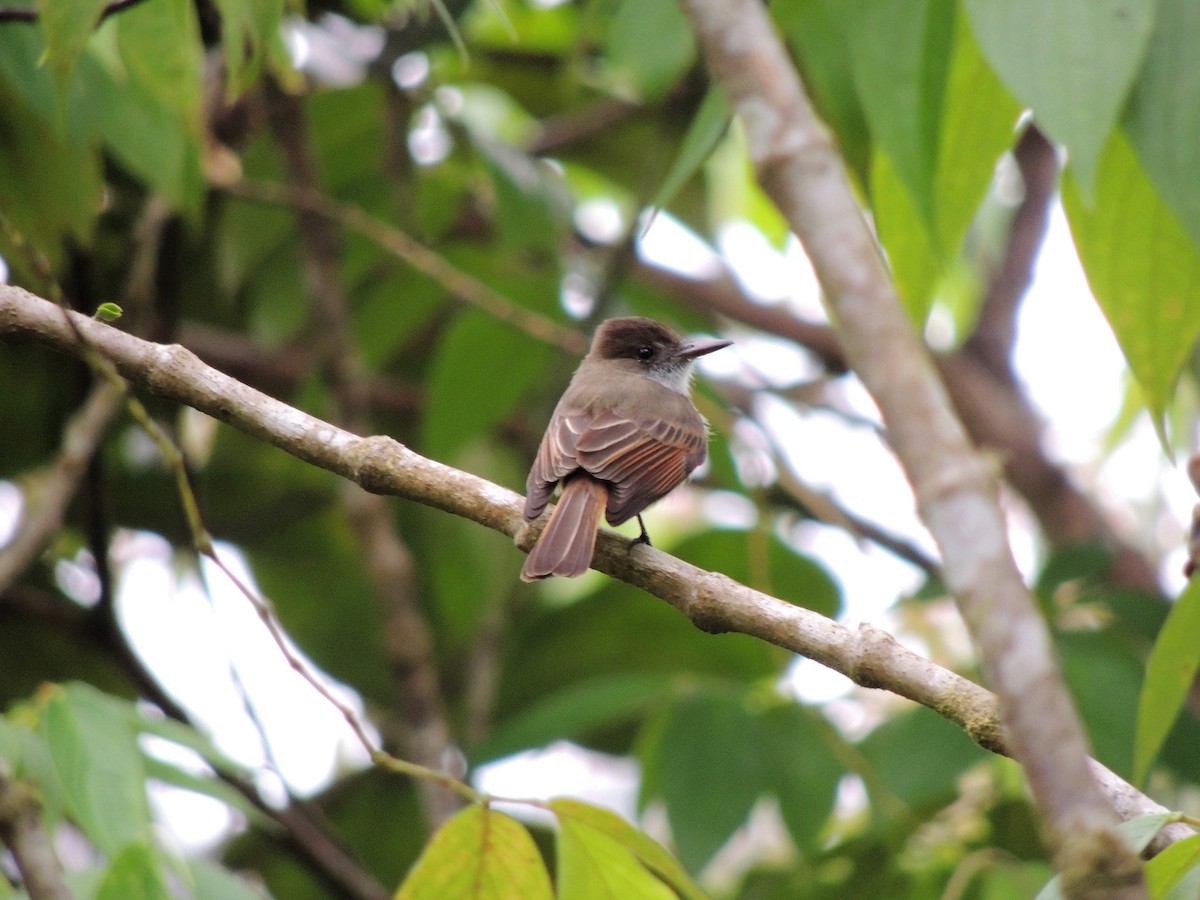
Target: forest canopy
291	293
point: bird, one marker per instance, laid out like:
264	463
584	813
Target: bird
624	434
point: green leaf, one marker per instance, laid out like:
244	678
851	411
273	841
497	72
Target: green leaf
550	30
148	139
765	563
734	193
98	762
21	52
904	233
593	865
466	398
901	51
67	25
108	312
800	769
977	126
1162	118
1143	269
704	759
136	873
1073	62
248	27
918	756
1170	671
708	127
532	203
149	106
974	129
28	756
644	847
818	32
650	46
1173	873
160	47
1103	674
211	882
10	744
573	711
479	854
50	185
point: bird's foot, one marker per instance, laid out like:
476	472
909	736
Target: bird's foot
644	537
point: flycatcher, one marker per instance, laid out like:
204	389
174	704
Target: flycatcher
624	434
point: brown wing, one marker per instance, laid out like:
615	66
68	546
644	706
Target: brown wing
554	461
644	461
641	461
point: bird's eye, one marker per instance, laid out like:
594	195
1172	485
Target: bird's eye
645	353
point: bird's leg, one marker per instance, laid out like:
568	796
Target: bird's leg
644	537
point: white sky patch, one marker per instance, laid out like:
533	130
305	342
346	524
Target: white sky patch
599	220
562	769
188	642
1066	356
410	70
669	244
759	267
12	504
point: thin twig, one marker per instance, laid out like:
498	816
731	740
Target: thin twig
459	283
818	504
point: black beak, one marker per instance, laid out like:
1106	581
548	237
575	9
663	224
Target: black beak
692	349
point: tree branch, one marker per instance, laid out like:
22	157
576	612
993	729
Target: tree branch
22	832
49	495
799	168
711	601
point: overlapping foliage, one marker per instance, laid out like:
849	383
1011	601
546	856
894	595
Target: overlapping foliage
124	142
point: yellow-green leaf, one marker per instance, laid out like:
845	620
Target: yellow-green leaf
593	865
1142	267
1168	869
480	854
1169	674
902	230
644	847
978	120
108	312
67	25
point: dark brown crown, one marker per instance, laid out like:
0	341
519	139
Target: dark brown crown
625	338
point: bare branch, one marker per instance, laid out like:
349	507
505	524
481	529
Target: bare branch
51	491
799	168
711	601
22	832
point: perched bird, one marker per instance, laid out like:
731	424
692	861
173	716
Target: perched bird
624	434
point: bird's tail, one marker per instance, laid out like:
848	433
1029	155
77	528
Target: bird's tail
566	545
